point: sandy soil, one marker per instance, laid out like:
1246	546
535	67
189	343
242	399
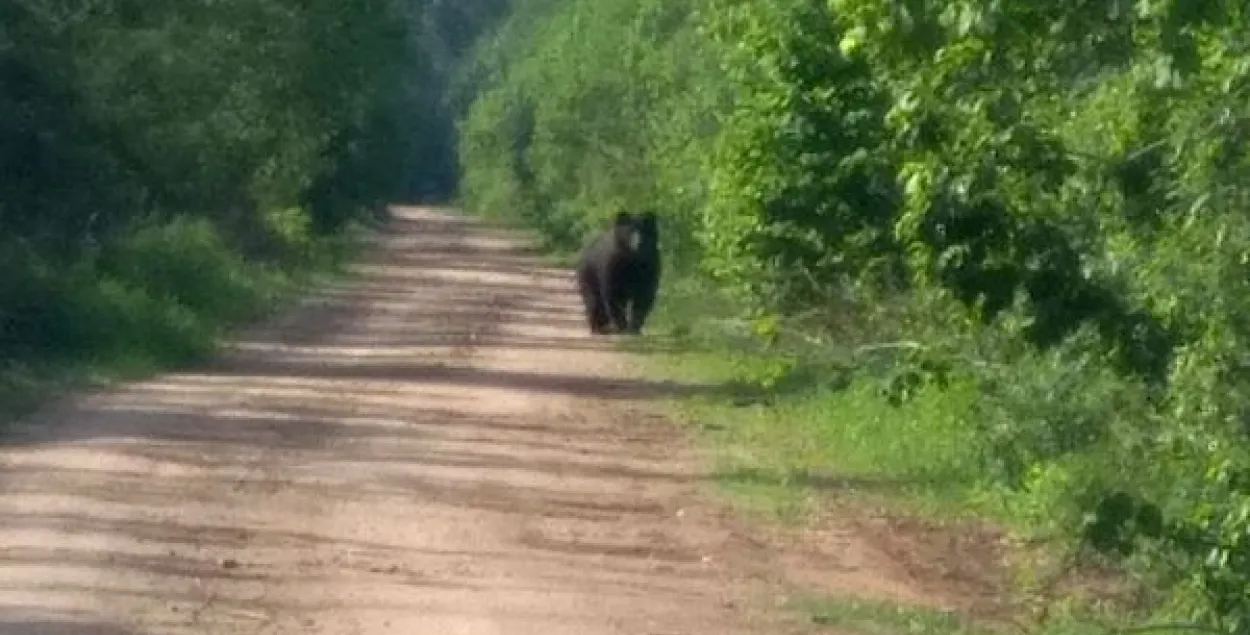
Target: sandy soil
431	446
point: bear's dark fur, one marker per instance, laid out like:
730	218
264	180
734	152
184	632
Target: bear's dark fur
619	273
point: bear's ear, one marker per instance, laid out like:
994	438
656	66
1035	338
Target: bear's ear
622	218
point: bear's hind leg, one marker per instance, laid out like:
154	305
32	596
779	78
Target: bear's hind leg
593	303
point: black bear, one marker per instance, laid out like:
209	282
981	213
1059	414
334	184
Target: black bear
619	273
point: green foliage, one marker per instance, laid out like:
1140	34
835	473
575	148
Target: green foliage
159	298
798	202
1046	201
188	263
170	167
603	112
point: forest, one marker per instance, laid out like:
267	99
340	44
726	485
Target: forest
989	249
171	169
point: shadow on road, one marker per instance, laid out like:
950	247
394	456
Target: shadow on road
56	626
390	326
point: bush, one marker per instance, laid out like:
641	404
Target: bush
157	298
1046	199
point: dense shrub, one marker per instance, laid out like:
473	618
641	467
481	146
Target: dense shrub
1046	198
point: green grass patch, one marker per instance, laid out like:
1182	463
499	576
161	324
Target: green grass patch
883	618
792	430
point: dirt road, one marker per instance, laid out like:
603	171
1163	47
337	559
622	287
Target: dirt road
432	446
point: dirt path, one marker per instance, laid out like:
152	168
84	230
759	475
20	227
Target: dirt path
433	446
